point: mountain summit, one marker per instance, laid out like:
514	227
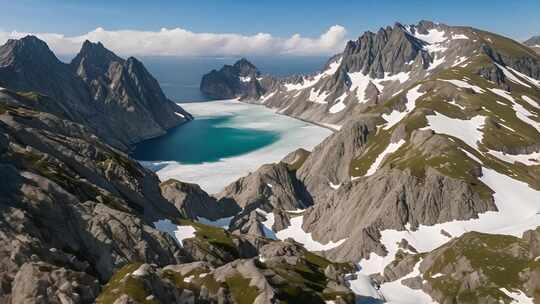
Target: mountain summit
117	98
233	81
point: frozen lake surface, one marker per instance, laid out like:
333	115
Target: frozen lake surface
227	140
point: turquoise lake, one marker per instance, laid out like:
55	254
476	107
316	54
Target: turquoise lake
205	139
227	140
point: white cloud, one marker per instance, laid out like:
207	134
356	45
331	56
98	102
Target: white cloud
181	42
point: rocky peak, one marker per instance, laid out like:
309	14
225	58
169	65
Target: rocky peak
96	82
245	68
27	50
93	60
232	81
386	51
533	41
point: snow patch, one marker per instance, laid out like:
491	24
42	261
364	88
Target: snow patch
268	96
340	105
391	148
362	285
179	233
518	211
517	297
471	156
433	36
334	186
318	97
245	79
511	76
459	36
459	60
533	81
466	130
395	292
436	62
332	126
311	81
454	103
179	114
464	85
360	82
296	232
532	159
524	115
396	116
531	101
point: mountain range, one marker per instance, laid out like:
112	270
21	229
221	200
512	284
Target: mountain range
427	191
437	129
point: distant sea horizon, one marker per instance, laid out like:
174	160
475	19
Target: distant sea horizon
179	77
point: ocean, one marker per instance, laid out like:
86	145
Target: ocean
180	77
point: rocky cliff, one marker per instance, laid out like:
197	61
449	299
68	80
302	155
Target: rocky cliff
81	222
240	80
117	99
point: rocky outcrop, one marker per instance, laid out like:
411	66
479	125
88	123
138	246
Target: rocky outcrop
117	99
37	282
475	268
269	187
285	272
73	204
193	202
240	80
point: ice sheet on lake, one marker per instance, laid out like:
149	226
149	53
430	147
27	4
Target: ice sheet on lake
214	176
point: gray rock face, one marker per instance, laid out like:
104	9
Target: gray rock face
271	186
240	80
117	99
38	282
387	51
328	163
193	202
456	265
73	202
285	272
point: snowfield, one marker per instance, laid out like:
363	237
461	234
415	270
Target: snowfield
340	105
464	85
179	233
391	148
214	176
469	131
396	116
296	232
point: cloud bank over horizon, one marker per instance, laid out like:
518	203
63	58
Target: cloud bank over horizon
182	42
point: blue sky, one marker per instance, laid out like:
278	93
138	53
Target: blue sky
518	19
234	27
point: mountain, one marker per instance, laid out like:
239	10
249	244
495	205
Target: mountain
118	99
428	190
437	133
534	43
81	222
240	80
